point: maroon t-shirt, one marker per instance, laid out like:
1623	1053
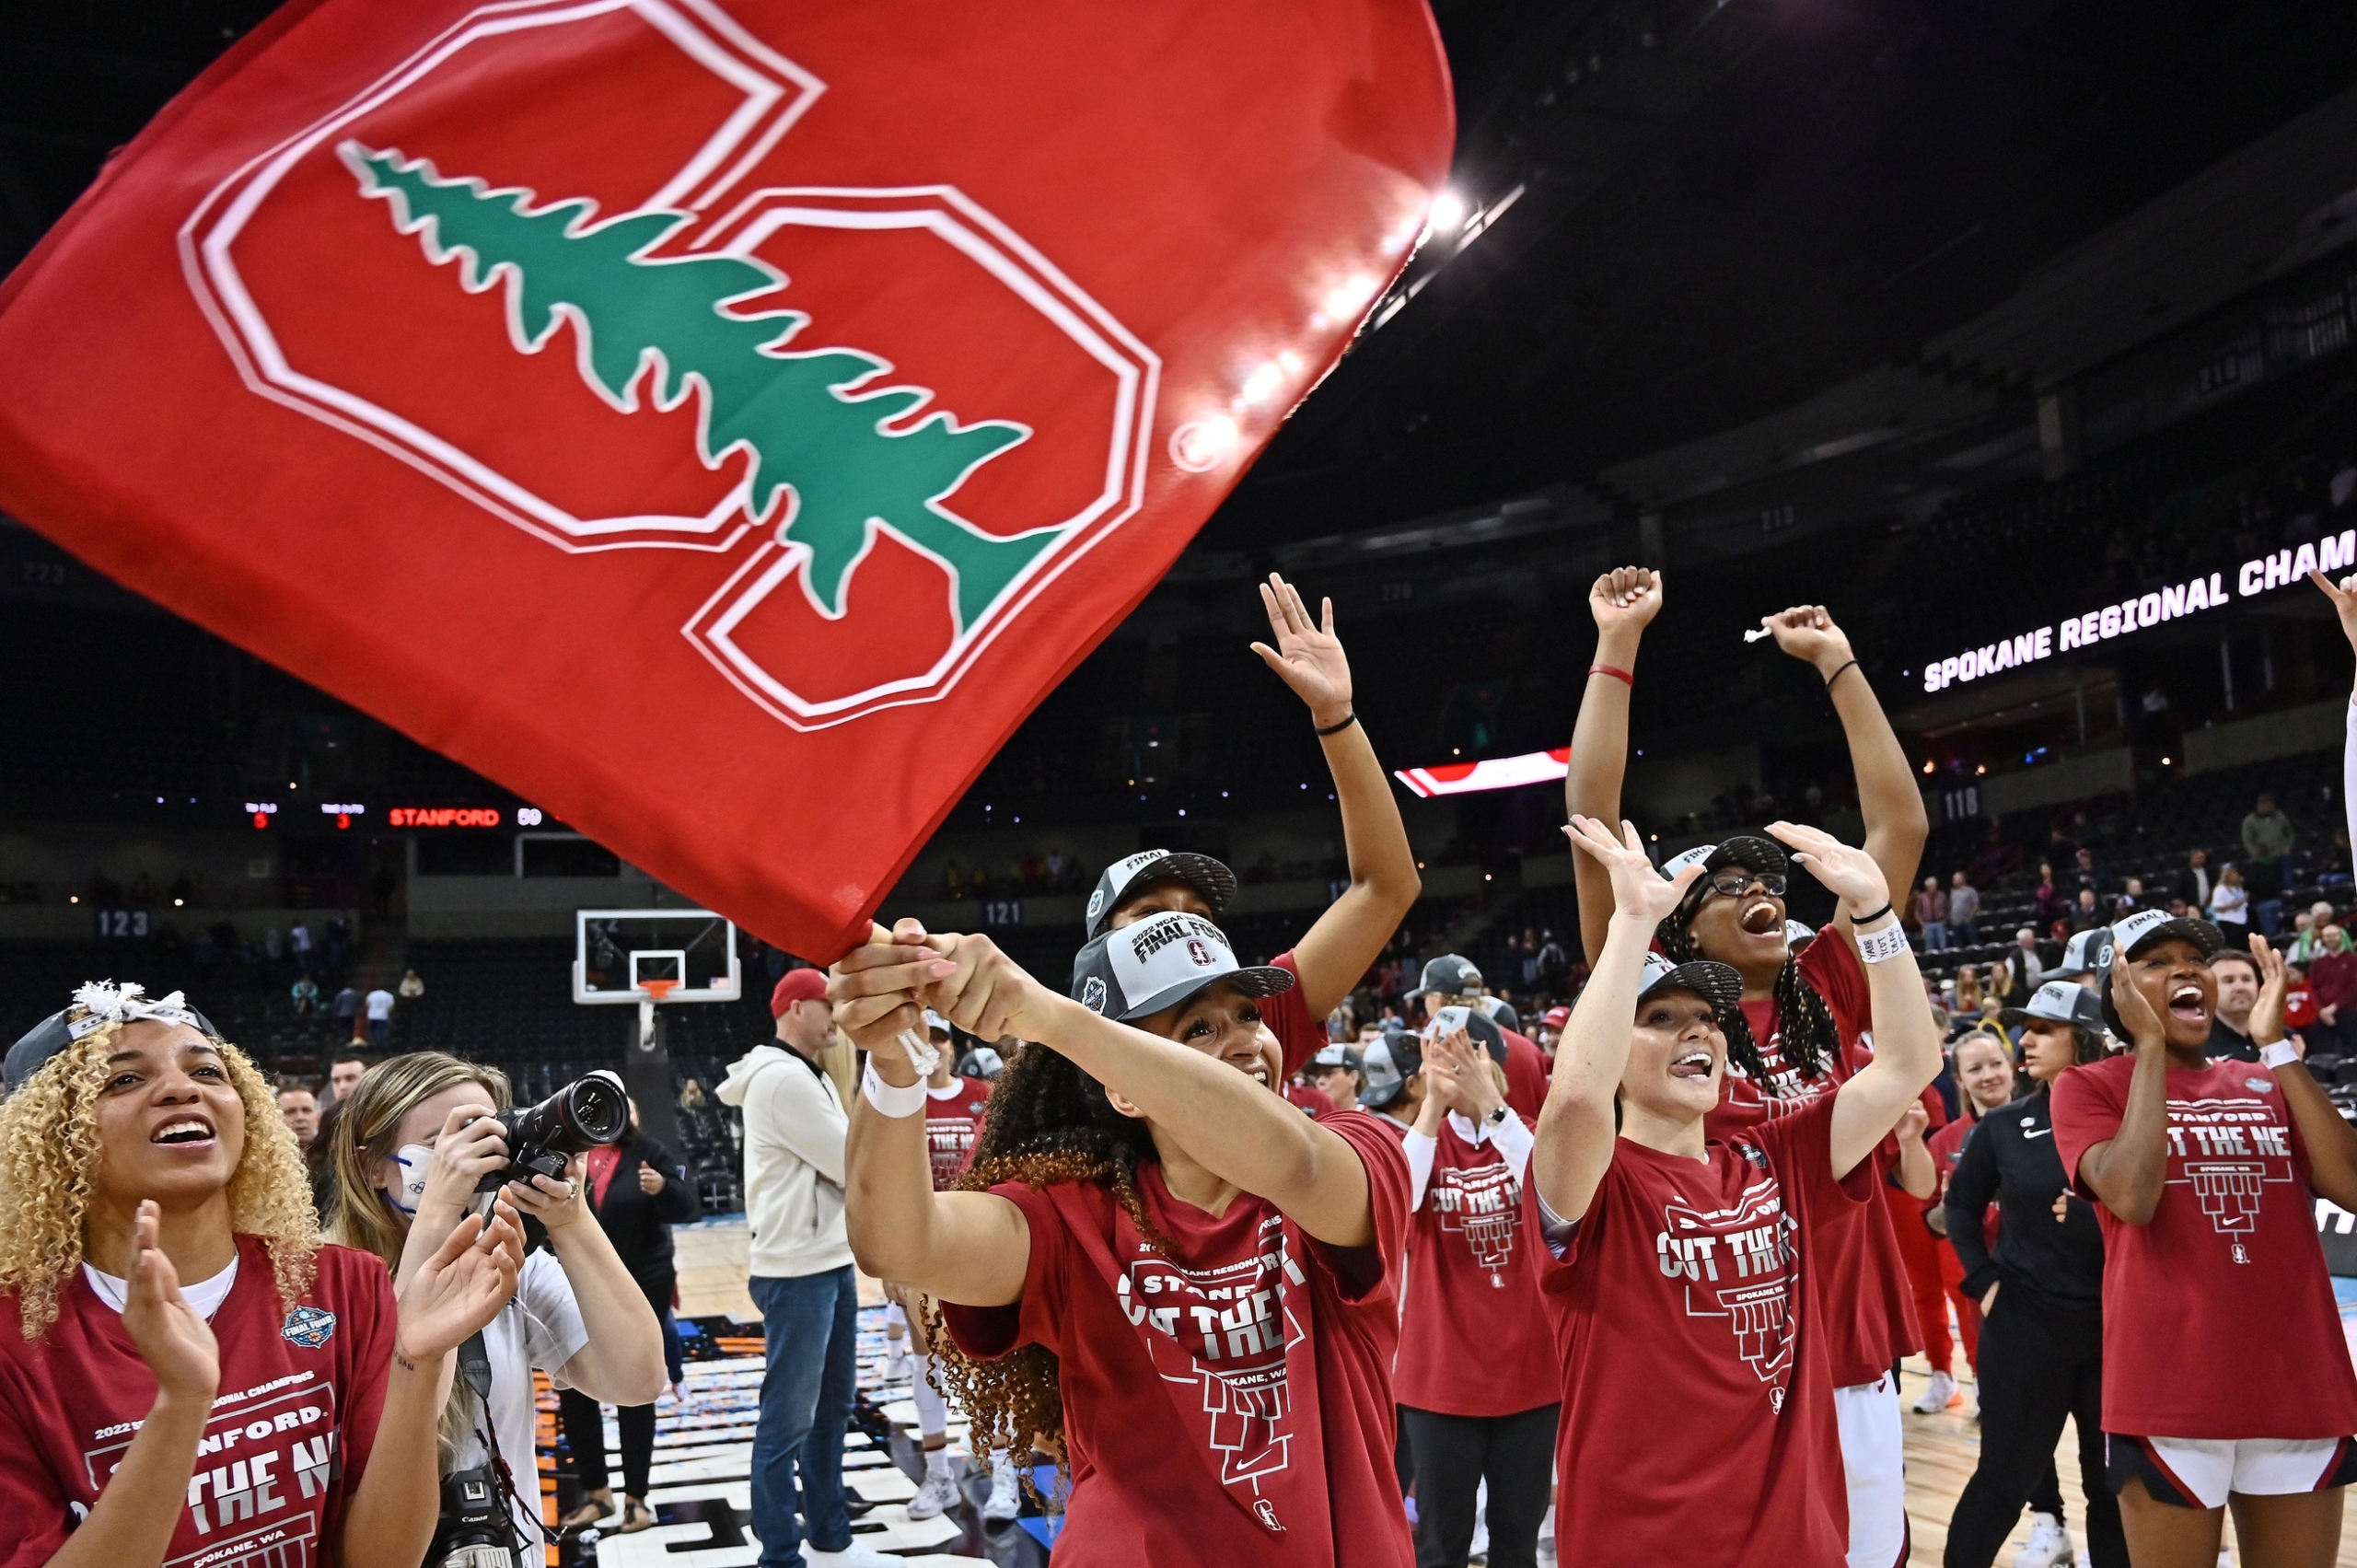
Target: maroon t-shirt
1527	1075
1870	1308
1301	1032
292	1424
1689	1311
1227	1403
2217	1315
952	1122
1473	1338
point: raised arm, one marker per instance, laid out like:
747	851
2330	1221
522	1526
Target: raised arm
969	1247
1624	602
1907	1046
1577	1128
2331	1142
1337	952
1229	1123
2127	1169
1888	797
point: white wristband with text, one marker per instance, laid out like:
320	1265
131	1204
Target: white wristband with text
2280	1054
895	1103
1881	946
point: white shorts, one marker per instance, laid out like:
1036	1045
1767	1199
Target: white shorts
1874	1452
2206	1468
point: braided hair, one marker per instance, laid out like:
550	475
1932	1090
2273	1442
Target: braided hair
1047	1122
1811	1039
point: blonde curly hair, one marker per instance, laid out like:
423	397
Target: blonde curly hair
49	1161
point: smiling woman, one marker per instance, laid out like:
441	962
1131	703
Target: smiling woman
1154	1261
136	1139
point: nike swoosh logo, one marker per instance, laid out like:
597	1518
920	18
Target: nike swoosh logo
2040	1132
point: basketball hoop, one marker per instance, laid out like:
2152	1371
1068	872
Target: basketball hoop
658	990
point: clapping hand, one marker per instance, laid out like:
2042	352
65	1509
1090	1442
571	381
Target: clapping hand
2136	1015
1847	872
177	1344
1912	1121
1308	657
1639	892
2266	1012
1459	1070
461	1288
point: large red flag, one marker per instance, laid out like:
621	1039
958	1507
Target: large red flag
718	421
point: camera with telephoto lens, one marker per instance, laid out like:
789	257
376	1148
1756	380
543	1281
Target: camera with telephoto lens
474	1530
586	1113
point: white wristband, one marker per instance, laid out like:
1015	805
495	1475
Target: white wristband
895	1103
2280	1054
1881	946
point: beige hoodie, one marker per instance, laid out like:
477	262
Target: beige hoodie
794	1127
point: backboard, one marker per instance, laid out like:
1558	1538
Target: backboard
616	952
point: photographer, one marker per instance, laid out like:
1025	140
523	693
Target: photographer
415	1138
638	1193
136	1139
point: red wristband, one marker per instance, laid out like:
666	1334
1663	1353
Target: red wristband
1622	675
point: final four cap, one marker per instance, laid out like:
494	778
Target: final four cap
1346	1056
2147	926
1390	1063
1159	962
1213	881
1450	975
2060	1002
2080	954
1716	984
1746	850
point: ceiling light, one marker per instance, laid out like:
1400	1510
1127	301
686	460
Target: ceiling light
1447	213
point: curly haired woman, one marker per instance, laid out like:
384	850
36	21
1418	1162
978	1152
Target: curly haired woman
135	1138
1154	1262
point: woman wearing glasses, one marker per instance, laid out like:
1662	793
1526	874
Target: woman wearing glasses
1803	1027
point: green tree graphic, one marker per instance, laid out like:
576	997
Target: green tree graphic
808	426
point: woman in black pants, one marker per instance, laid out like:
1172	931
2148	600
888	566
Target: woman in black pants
2041	1296
638	1193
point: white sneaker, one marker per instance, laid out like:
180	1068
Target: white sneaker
1940	1396
898	1367
2049	1545
858	1554
1007	1494
936	1497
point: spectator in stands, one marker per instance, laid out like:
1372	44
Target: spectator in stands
1554	966
344	1073
414	1142
2229	908
2237	979
379	1003
2332	979
1964	912
299	1109
1451	981
2048	901
345	1011
305	995
2194	883
1967	1005
2268	836
2311	923
299	941
1932	914
802	1280
2084	872
410	987
2028	970
638	1193
692	1095
2088	913
1341	1075
1551	1029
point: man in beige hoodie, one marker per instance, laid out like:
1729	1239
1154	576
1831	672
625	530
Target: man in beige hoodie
802	1280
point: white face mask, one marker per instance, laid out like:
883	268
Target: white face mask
414	1160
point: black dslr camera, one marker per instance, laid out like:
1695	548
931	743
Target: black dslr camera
474	1530
586	1113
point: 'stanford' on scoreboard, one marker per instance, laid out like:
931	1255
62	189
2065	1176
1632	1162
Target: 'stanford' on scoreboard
2265	574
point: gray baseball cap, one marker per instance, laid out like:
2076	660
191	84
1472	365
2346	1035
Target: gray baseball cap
2060	1002
1388	1064
1209	877
1159	962
1451	974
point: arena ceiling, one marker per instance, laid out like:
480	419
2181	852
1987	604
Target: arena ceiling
1718	208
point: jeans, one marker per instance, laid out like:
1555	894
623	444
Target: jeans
1967	933
1453	1454
811	1333
2039	1367
2270	916
1935	934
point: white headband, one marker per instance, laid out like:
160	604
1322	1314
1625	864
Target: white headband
104	1002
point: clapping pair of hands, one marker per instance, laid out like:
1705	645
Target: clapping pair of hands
1457	1076
1641	894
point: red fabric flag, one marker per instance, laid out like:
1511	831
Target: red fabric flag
718	421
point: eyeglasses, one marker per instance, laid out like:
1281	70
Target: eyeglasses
1731	882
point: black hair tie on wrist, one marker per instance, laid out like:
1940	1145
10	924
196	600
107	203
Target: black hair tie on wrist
1352	718
1836	674
1870	919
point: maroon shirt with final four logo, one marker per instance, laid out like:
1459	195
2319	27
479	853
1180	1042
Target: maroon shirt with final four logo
953	1118
2218	1315
1869	1307
1227	1404
292	1424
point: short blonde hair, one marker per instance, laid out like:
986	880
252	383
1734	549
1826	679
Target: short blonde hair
49	1161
